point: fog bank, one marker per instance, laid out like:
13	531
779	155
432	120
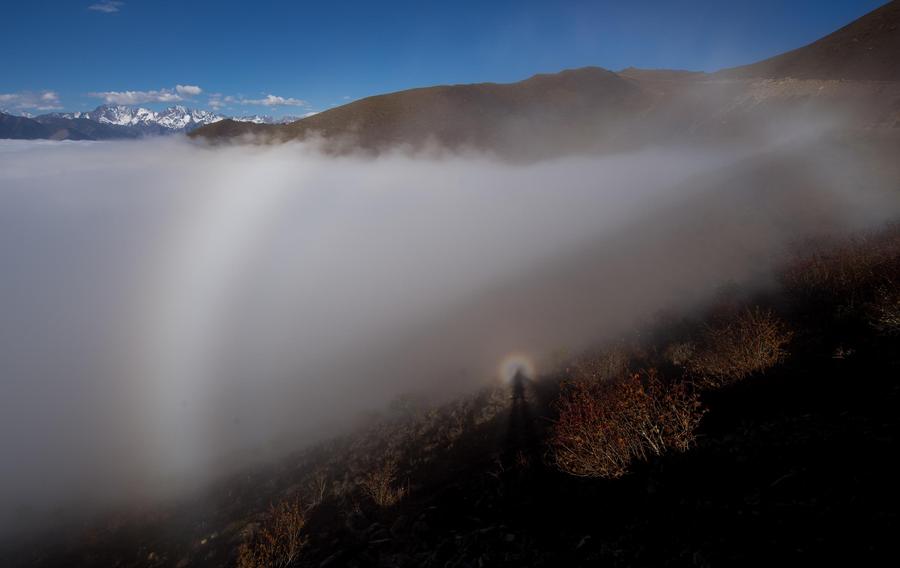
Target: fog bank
167	305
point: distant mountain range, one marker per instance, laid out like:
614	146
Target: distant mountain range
108	122
853	74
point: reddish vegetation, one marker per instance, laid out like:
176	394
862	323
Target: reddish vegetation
848	273
734	349
604	426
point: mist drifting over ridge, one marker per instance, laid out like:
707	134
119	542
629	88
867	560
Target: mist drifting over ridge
167	305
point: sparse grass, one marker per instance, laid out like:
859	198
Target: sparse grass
604	426
278	541
607	364
846	272
734	348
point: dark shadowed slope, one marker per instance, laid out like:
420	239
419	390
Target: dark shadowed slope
867	49
88	129
28	129
51	127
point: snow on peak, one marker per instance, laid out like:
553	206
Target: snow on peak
177	118
255	119
173	118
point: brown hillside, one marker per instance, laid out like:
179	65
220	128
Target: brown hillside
660	74
567	108
866	49
853	73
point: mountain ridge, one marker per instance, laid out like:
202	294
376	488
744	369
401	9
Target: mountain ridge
110	122
592	108
866	49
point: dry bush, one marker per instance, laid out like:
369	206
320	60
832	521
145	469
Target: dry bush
608	364
845	271
679	353
379	484
414	434
734	349
278	541
317	487
884	310
522	460
494	401
604	426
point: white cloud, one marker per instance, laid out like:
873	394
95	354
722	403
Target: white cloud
137	97
188	90
42	100
106	6
179	93
218	101
274	100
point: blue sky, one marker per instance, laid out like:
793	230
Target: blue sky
280	57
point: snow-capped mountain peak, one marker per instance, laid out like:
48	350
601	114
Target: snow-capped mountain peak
180	118
120	115
255	118
143	121
174	118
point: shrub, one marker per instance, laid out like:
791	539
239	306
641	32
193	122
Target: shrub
379	484
317	487
604	426
846	271
884	310
679	354
278	541
734	349
494	401
608	364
